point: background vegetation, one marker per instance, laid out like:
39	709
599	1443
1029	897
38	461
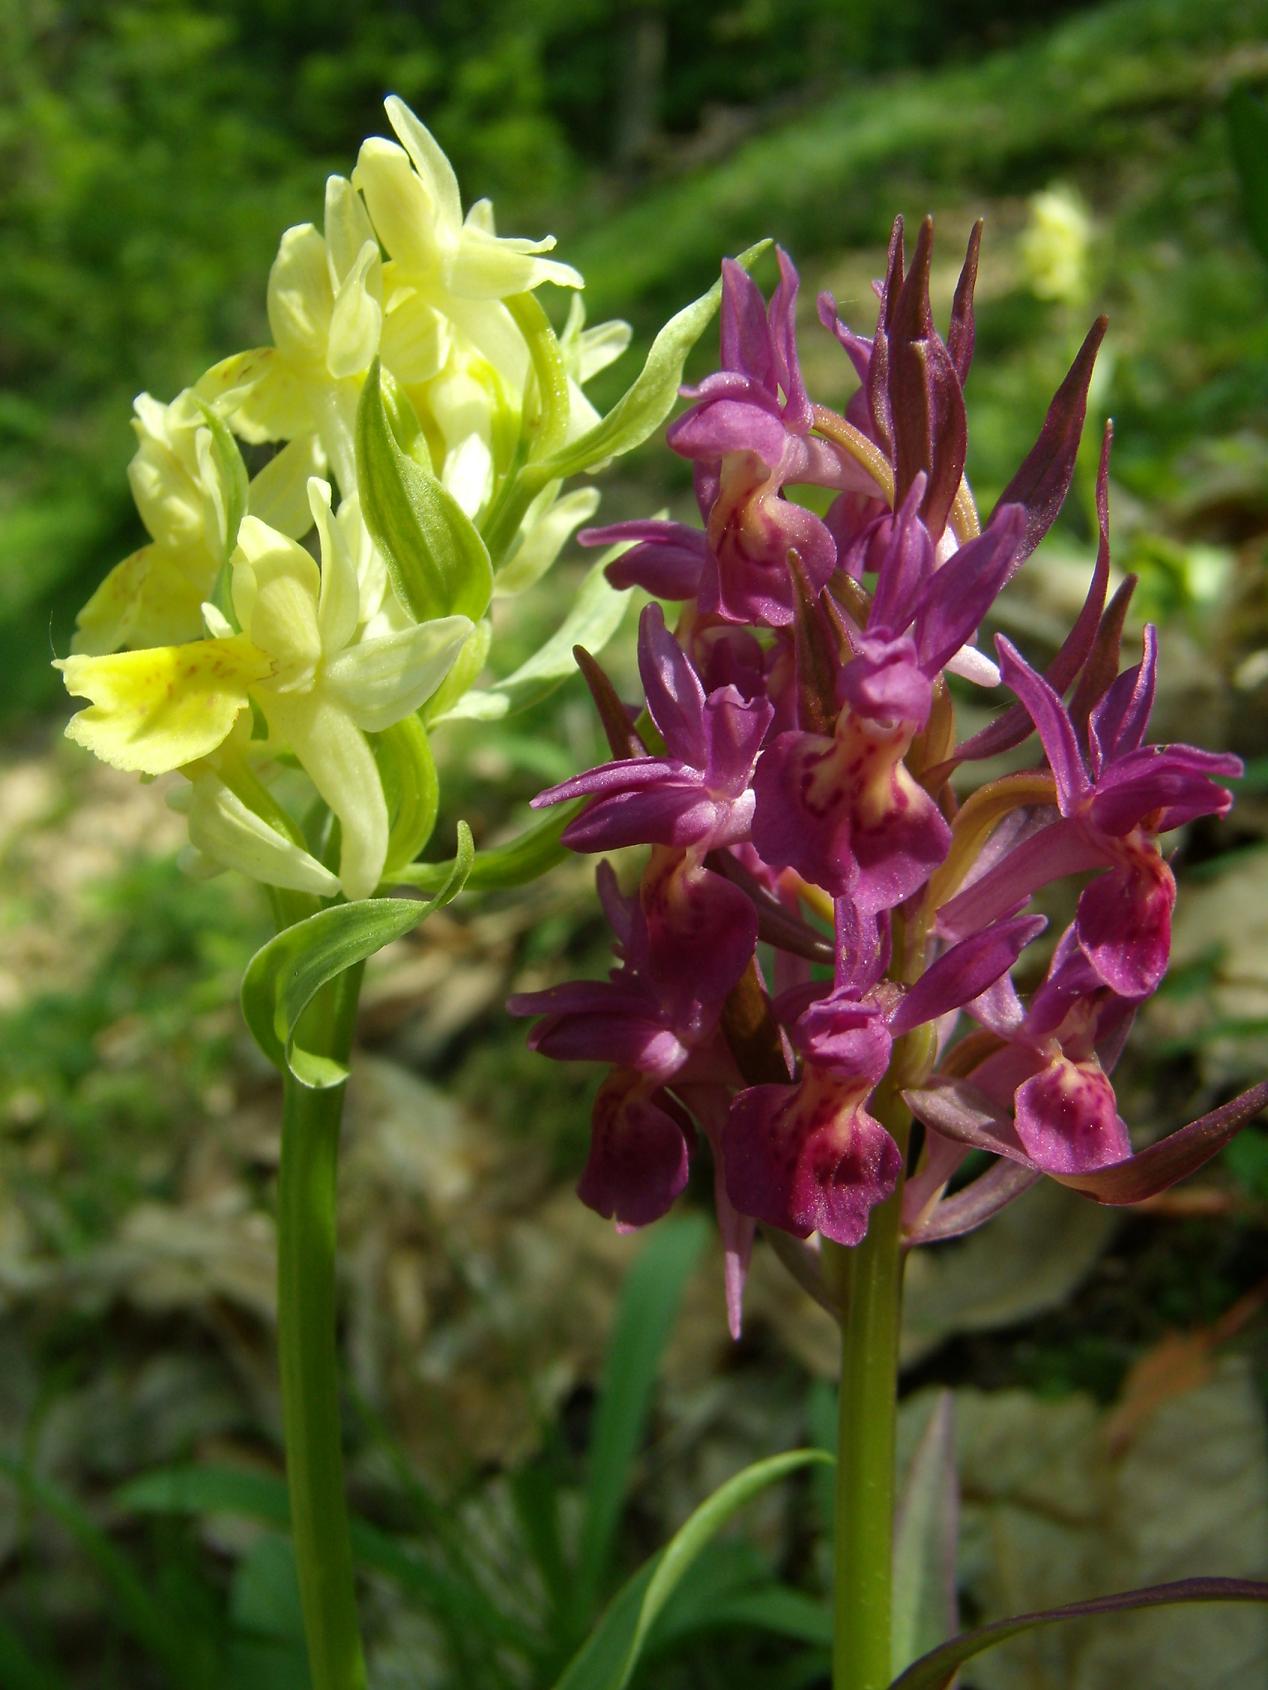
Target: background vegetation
1113	1372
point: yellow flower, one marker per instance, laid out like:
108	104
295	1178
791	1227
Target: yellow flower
183	481
414	202
325	311
446	275
1056	243
300	659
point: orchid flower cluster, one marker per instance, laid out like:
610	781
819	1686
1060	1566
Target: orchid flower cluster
404	334
822	944
825	931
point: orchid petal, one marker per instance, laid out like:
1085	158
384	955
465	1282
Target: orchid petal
300	299
156	710
905	566
798	412
233	836
746	340
1124	924
1067	1119
675	697
337	759
959	594
429	159
1172	1158
808	1159
667	813
381	681
638	1153
1043	480
1117	724
1052	720
964	972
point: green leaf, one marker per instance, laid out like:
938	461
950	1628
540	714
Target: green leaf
264	1598
730	1586
535	1497
1248	133
19	1669
609	1657
924	1541
263	1497
645	1315
776	1608
526	857
186	1657
597	612
438	563
285	975
207	1490
936	1670
639	412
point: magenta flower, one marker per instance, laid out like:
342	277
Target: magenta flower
683	943
749	435
808	1157
699	793
847	814
1112	804
890	677
639	1151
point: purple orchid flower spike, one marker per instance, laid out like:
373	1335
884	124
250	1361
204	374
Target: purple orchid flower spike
1112	805
806	737
699	793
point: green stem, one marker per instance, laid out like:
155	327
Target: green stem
306	1314
870	1280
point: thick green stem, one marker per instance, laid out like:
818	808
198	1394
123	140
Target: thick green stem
869	1278
306	1338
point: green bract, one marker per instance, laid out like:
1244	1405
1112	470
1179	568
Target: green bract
438	563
